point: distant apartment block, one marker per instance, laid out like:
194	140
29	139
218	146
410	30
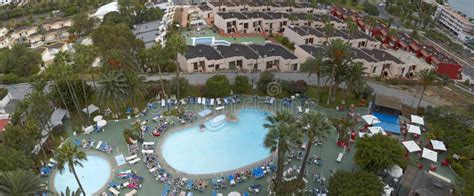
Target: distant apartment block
457	24
205	58
269	22
316	36
377	62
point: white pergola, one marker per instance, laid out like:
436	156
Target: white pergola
438	145
417	119
430	155
414	129
377	130
411	146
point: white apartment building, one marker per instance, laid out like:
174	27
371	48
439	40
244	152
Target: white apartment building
457	24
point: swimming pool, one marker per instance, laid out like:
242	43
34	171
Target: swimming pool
389	123
226	147
93	175
209	41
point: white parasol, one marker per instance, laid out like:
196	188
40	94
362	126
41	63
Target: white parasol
414	129
396	171
430	155
234	193
101	123
438	145
98	117
411	146
417	119
377	130
370	119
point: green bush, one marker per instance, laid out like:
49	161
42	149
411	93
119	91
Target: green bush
242	85
265	78
371	9
11	78
285	42
217	86
3	92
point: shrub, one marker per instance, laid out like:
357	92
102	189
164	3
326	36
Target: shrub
11	78
242	85
285	42
371	9
299	86
217	86
265	78
3	92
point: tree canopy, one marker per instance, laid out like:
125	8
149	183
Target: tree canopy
241	84
217	86
357	183
11	159
60	93
82	24
378	152
20	60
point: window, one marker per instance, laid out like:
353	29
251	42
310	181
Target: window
246	25
217	66
211	65
276	62
269	65
294	67
229	24
255	66
232	65
374	69
195	65
239	63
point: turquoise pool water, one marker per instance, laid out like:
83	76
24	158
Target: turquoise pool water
223	147
93	175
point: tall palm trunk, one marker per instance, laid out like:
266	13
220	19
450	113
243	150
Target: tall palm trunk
85	101
309	144
421	97
280	167
74	99
77	178
333	78
177	82
161	81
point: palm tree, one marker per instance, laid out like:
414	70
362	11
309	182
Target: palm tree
328	29
292	18
69	155
113	86
392	33
20	183
355	80
316	125
282	134
314	66
338	53
351	29
371	21
136	86
426	78
314	4
309	18
176	45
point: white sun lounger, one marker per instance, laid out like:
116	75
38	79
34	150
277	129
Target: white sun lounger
131	157
199	100
203	101
153	169
182	102
220	108
306	110
148	143
148	151
212	101
218	100
114	191
339	157
98	145
131	193
163	103
299	109
134	161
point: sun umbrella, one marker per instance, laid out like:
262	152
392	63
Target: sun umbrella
101	123
414	129
411	146
234	193
396	171
377	130
438	145
370	119
98	117
417	119
430	155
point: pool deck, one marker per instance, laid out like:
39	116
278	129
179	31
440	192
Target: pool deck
112	134
188	35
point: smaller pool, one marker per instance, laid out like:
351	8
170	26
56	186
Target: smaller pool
389	123
93	175
209	41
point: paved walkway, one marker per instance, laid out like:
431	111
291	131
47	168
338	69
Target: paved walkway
201	78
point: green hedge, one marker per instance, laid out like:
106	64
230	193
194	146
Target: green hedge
3	92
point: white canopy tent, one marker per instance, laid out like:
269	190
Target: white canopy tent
411	146
417	119
430	155
91	109
438	145
377	130
58	115
370	119
414	129
105	9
